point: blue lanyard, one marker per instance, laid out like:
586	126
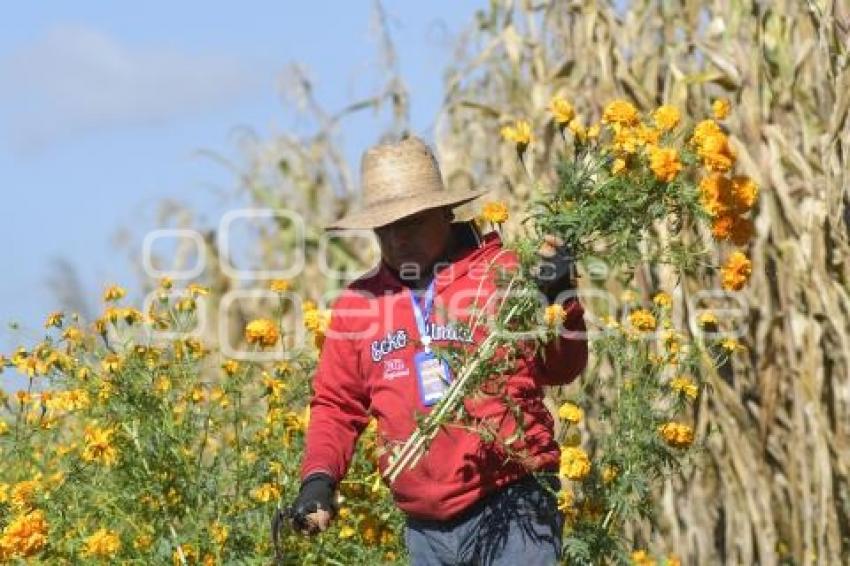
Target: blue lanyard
422	313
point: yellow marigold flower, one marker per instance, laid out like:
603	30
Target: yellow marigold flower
575	464
676	434
219	532
495	212
317	320
593	131
99	447
113	293
647	135
162	384
274	387
54	319
704	130
23	493
570	412
347	532
263	332
666	117
266	492
642	320
23	397
102	544
721	108
744	192
553	315
685	386
736	272
620	112
308	305
619	166
279	285
562	111
673	560
72	334
166	283
716	153
111	363
663	300
578	129
519	133
626	140
641	558
25	535
664	162
369	530
230	367
708	320
731	345
132	316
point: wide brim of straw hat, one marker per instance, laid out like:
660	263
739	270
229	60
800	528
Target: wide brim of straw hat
379	214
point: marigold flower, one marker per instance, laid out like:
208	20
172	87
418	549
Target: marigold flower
685	386
609	474
704	130
721	226
230	367
184	554
641	558
54	319
347	532
716	153
279	285
219	532
102	544
620	112
666	117
662	300
495	212
744	192
72	334
570	412
575	464
578	129
742	231
562	111
715	192
25	535
642	320
317	320
553	315
708	320
736	272
23	493
676	434
166	283
593	131
721	108
626	140
113	293
664	163
262	331
731	345
519	133
99	447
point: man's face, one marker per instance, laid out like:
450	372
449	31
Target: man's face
415	242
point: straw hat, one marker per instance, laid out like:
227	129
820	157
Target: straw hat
397	180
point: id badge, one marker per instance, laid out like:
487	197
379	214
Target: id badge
434	377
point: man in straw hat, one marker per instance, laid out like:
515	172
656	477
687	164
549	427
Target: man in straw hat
465	501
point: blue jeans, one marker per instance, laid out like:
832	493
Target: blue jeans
518	524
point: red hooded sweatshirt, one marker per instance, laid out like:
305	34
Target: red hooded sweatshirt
367	369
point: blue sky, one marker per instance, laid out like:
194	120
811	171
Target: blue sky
105	106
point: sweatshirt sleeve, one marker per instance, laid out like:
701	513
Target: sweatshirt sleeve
565	357
339	408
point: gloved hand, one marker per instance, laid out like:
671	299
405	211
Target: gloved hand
556	271
314	507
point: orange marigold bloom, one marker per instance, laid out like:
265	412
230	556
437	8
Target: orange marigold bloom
716	194
716	153
620	112
722	225
744	191
619	166
736	272
676	434
24	536
703	130
575	463
495	212
666	117
664	162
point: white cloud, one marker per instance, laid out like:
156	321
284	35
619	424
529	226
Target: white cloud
74	80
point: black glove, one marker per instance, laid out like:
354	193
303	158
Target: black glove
556	271
316	493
